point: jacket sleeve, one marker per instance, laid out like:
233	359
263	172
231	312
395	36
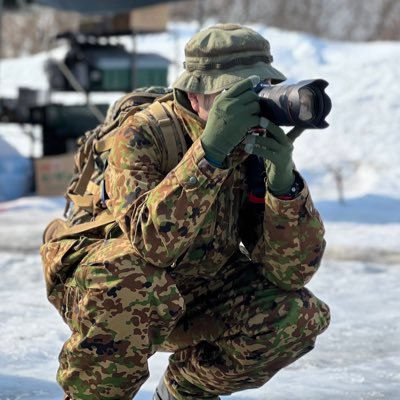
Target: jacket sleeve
291	246
160	214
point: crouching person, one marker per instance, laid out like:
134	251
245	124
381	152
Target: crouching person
208	261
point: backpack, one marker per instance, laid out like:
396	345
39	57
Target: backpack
86	210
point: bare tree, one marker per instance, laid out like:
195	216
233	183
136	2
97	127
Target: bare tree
337	173
336	19
389	21
31	30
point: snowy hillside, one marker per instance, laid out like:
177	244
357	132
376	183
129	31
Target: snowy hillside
358	358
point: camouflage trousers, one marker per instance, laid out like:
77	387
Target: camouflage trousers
228	334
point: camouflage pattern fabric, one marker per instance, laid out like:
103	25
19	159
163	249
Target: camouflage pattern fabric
189	219
119	310
173	278
239	331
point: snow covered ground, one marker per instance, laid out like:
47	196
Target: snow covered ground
358	358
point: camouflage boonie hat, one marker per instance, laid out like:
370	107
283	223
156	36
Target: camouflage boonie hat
222	55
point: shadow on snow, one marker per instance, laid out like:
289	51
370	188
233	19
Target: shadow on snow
369	209
21	388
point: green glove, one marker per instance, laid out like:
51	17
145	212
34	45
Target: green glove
233	113
276	149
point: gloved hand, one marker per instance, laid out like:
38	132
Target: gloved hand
233	113
276	149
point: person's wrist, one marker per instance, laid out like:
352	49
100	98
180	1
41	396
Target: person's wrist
215	163
281	184
294	190
213	156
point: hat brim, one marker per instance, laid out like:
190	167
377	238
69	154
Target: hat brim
214	81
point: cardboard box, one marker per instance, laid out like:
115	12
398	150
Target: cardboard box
53	174
151	18
140	20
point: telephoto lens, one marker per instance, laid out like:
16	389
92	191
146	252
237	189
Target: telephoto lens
304	104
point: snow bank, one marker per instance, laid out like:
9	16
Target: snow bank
15	170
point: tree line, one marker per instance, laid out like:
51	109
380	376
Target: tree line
360	20
30	30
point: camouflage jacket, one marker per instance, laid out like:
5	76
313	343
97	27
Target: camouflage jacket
194	218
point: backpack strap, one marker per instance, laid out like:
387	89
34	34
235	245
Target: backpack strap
86	173
164	123
104	144
170	134
101	220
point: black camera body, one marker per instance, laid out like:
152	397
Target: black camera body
303	105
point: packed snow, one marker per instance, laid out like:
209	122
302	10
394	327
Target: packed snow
358	358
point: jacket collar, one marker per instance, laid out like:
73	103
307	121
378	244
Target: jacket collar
192	123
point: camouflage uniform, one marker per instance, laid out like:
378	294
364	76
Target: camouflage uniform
171	277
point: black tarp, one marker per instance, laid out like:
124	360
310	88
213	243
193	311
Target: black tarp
13	4
103	7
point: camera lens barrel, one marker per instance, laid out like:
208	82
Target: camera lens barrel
304	104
